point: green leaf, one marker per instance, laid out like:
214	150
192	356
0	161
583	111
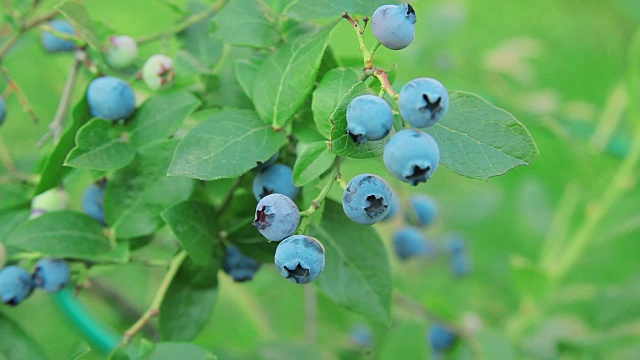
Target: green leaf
479	140
314	160
11	219
16	344
323	9
190	301
197	39
76	13
139	192
246	71
79	351
99	146
258	27
195	225
53	171
357	274
175	350
160	116
63	234
341	142
228	144
326	97
286	78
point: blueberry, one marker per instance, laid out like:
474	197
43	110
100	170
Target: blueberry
367	199
412	156
393	208
276	217
121	52
425	209
55	199
278	179
423	102
53	43
158	71
441	338
3	110
51	274
93	201
110	98
361	336
300	258
260	165
455	243
15	285
409	242
239	266
369	118
460	263
393	25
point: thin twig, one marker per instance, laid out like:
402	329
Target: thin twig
22	98
154	309
24	28
56	126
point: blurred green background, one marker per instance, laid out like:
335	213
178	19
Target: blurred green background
557	65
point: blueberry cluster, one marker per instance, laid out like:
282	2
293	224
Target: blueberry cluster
16	284
409	240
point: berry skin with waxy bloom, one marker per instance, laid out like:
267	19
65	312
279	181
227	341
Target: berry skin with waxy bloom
110	98
411	155
158	71
423	102
409	242
393	25
51	274
53	43
369	118
367	199
276	217
425	209
15	285
440	338
238	265
121	52
275	179
93	201
300	258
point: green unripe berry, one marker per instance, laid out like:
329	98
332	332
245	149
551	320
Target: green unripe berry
158	71
121	52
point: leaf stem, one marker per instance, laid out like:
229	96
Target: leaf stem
193	19
317	201
383	77
154	309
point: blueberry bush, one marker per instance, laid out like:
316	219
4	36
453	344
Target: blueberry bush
317	179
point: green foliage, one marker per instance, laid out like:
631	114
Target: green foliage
552	245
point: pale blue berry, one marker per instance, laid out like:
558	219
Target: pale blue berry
393	25
276	217
423	102
110	98
411	155
369	118
300	258
367	199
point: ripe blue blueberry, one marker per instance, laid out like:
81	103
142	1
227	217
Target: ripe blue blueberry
367	199
275	179
300	258
238	265
3	110
51	274
425	209
409	242
361	336
369	118
93	201
441	338
460	263
15	285
121	52
412	156
110	98
53	43
393	208
277	217
455	243
423	102
393	25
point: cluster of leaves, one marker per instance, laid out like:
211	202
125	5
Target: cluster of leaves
244	90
